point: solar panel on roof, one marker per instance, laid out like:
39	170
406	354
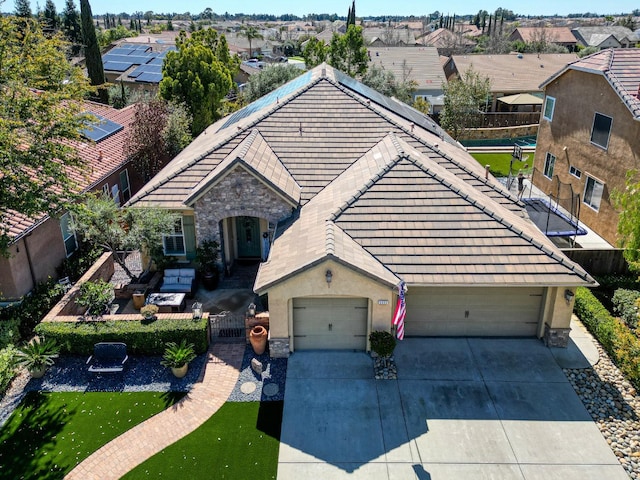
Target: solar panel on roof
149	77
268	99
146	69
101	128
397	107
157	61
116	66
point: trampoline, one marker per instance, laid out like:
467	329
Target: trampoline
550	220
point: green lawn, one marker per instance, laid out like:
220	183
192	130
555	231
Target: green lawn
50	433
241	441
500	162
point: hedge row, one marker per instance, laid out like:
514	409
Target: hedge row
620	343
141	337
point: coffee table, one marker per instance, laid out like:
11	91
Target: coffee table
168	302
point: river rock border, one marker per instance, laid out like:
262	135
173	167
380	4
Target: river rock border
614	405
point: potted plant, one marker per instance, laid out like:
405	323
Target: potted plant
258	338
207	258
95	297
37	355
382	344
149	311
177	357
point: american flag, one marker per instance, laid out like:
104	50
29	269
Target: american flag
401	311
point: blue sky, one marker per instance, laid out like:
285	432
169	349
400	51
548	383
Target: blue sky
363	7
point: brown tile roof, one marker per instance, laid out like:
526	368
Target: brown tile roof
621	68
101	158
550	34
444	38
514	73
420	64
394	214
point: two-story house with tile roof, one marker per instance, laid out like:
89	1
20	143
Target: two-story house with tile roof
344	193
589	135
40	244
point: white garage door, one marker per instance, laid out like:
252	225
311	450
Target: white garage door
330	323
473	311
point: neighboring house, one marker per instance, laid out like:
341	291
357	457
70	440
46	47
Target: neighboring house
510	74
346	193
589	135
136	65
420	64
561	36
40	244
603	37
447	42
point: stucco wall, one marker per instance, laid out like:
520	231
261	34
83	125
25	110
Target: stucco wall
578	96
345	282
238	194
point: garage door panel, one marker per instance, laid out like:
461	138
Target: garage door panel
473	311
330	323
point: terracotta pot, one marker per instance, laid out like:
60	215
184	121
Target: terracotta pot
258	339
180	372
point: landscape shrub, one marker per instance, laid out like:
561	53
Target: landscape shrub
142	337
7	367
620	343
624	305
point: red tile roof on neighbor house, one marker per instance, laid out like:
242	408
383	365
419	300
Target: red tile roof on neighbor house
621	68
102	159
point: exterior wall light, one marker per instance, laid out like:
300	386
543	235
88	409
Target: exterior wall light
251	310
328	277
568	296
196	311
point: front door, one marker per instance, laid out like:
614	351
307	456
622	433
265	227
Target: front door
248	229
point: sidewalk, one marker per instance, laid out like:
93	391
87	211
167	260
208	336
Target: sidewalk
135	446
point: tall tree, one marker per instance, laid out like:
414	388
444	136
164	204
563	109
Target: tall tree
268	80
251	33
464	100
51	16
23	9
37	131
71	26
93	59
315	52
199	74
150	141
348	53
627	202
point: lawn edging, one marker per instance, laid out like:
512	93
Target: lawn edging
620	343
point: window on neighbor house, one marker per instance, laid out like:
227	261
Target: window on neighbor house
173	243
549	163
69	238
601	130
593	193
115	194
549	107
124	185
575	171
105	189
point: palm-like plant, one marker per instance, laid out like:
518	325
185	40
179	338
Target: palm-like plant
250	33
37	355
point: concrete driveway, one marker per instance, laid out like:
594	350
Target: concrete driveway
460	409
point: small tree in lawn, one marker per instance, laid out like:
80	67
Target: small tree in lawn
464	100
101	222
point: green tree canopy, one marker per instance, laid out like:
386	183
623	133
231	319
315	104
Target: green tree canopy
464	100
71	25
199	75
37	127
23	9
268	80
627	202
385	82
93	59
99	221
345	52
51	16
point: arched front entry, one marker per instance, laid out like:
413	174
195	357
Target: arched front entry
248	244
244	238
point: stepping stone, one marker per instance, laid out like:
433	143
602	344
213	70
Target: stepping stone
270	389
248	387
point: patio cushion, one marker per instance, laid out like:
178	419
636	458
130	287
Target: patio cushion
172	272
188	272
184	280
171	280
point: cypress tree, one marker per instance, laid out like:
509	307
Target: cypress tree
353	13
51	16
93	60
23	9
71	26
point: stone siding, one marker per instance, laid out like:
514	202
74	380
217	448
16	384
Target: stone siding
556	337
238	194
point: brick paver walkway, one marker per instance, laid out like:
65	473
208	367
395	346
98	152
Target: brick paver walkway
133	447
